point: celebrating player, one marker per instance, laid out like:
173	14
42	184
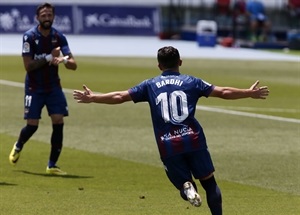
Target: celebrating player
181	142
42	46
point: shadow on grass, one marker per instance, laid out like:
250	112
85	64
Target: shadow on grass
47	175
7	184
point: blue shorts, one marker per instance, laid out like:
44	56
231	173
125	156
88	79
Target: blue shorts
259	17
184	167
55	102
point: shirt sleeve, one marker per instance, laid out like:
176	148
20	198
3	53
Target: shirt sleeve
204	87
139	93
27	45
64	46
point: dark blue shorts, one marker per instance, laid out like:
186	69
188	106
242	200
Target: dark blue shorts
184	167
55	102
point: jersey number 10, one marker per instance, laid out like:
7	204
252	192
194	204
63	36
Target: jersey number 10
174	107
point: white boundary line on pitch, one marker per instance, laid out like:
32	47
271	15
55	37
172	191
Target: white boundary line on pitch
238	108
254	115
211	109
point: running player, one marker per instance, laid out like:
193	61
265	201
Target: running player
181	142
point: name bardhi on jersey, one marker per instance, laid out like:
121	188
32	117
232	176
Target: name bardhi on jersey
177	133
168	81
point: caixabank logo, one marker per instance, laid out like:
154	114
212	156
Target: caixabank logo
119	20
85	19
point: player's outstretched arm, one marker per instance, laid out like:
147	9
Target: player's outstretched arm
87	96
254	92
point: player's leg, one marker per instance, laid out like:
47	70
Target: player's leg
33	104
57	109
202	169
56	138
179	174
213	195
253	29
26	132
266	30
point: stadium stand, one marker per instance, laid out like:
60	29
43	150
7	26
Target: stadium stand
178	18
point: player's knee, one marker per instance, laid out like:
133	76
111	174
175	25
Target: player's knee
31	129
57	119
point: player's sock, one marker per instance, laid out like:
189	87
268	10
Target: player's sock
51	163
213	195
24	136
56	143
182	194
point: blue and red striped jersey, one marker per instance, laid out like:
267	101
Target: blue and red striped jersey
172	98
35	45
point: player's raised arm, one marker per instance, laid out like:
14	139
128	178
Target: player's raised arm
254	92
87	96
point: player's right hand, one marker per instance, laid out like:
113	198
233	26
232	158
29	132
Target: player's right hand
83	96
56	52
87	91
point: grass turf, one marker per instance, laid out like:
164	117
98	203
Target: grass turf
99	184
257	160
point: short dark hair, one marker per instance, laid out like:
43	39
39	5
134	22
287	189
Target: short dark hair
45	5
168	57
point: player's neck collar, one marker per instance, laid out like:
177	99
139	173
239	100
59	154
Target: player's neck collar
170	72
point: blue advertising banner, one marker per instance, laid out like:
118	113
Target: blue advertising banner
119	20
84	19
20	18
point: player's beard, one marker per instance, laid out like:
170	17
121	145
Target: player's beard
46	25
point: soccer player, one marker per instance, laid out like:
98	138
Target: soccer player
181	142
41	57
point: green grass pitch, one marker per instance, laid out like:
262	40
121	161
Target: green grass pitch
111	156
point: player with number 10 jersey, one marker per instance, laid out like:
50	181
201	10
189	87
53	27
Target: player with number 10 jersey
172	98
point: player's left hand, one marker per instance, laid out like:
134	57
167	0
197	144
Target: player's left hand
57	60
259	92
